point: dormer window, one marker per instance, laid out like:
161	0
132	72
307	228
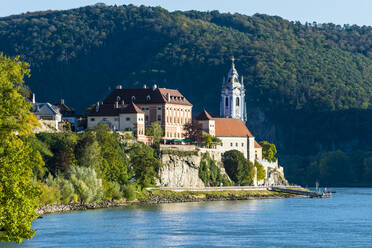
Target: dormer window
133	98
118	98
148	98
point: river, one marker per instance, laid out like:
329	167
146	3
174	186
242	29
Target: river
342	221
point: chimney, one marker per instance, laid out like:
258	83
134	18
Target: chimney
33	98
62	101
119	87
122	104
154	87
116	104
145	86
97	107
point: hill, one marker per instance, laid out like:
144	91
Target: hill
309	86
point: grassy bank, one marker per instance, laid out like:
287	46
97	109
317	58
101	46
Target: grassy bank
167	196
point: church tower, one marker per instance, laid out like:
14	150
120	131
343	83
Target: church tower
233	96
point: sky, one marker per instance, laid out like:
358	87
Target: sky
322	11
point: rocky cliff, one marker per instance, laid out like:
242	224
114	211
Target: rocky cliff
180	171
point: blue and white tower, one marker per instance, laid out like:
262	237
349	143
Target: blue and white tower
233	96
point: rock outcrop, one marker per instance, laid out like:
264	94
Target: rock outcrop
180	171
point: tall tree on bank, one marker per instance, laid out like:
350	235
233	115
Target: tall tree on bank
17	156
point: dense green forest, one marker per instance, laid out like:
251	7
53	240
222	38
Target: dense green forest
312	81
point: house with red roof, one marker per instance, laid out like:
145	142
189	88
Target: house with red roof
233	133
137	108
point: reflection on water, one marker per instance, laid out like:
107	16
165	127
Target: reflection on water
254	223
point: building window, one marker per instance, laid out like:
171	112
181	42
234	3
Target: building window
226	101
231	144
127	119
148	98
159	117
147	118
236	144
237	101
242	144
104	119
133	98
159	108
92	119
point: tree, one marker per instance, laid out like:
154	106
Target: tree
144	165
156	132
114	164
193	131
88	151
239	169
261	174
17	157
268	151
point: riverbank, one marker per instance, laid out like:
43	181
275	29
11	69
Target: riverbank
168	196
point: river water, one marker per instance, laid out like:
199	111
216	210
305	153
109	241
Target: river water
342	221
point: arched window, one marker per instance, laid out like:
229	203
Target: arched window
133	98
226	101
237	101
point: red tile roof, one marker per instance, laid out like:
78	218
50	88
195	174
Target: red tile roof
257	145
229	127
146	96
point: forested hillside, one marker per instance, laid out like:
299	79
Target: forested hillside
310	83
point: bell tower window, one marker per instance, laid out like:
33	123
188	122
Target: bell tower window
237	101
226	101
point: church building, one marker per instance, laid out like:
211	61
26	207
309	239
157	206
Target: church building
232	103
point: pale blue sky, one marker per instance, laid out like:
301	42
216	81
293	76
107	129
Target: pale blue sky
336	11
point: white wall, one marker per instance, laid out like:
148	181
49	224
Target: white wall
234	143
112	121
130	121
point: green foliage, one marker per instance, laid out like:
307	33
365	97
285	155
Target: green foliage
129	192
88	151
86	184
335	168
114	164
180	153
112	191
144	164
268	151
291	70
155	131
210	173
18	157
239	169
261	174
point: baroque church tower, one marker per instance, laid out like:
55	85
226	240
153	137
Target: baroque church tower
233	96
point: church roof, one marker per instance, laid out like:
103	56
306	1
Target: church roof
230	127
203	116
147	96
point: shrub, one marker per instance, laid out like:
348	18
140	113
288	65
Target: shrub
112	191
66	189
261	173
129	192
86	183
